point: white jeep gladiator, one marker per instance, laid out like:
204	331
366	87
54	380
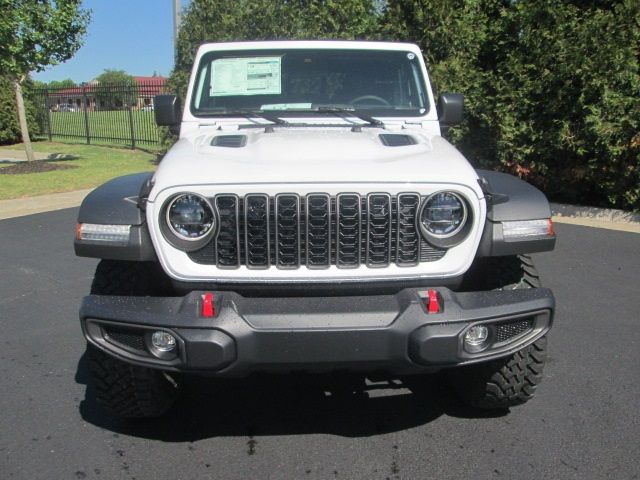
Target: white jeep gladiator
311	217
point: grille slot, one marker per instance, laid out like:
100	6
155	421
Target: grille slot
287	230
349	230
125	337
408	238
228	238
378	230
316	231
507	331
256	234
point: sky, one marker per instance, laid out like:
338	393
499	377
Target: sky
131	35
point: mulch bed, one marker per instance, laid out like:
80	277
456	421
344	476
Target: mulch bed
37	166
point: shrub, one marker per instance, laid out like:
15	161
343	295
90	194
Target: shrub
551	88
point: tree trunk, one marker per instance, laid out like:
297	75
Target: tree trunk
22	118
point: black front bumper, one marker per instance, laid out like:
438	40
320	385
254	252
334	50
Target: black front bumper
394	333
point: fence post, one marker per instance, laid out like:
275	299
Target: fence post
133	136
86	114
46	106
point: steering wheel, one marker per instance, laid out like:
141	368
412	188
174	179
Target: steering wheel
375	98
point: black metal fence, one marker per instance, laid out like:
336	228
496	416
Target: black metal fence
116	114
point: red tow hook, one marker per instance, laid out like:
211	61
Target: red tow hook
208	307
433	306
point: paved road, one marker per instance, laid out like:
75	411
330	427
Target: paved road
585	422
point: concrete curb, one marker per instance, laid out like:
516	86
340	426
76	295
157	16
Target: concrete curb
608	218
18	207
603	214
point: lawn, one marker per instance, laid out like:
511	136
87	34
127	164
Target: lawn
93	165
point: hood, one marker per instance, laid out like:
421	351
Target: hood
312	155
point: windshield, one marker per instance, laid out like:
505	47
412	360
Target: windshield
374	82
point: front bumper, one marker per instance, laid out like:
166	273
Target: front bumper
393	333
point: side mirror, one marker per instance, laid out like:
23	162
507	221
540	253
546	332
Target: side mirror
167	109
450	108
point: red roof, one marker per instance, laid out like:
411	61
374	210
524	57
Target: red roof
146	86
156	79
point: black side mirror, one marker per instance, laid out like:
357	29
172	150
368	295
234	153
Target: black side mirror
450	108
168	110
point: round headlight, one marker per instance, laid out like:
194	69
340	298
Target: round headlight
443	214
190	217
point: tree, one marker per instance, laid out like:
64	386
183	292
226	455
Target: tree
116	89
34	35
551	87
59	84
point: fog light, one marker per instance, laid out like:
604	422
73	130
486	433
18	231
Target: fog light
476	338
163	341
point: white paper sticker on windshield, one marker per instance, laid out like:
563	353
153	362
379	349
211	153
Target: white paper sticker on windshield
286	106
246	76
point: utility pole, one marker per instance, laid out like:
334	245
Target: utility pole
176	25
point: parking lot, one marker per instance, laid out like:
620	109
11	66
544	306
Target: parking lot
584	422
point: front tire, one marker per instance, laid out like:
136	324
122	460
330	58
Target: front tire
126	390
512	380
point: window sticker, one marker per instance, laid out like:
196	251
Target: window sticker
286	106
246	76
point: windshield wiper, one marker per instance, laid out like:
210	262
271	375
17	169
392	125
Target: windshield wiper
248	113
343	112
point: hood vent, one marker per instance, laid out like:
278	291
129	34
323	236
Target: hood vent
229	141
397	140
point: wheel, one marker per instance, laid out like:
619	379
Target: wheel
126	390
512	380
134	279
375	98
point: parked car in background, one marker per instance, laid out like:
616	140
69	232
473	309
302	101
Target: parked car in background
68	107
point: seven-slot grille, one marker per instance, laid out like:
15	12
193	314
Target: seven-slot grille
316	231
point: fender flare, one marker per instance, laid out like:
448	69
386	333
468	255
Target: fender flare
508	199
118	202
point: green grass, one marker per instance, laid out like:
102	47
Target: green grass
95	165
112	126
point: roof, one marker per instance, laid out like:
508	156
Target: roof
146	86
303	44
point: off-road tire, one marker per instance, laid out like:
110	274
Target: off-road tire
136	279
126	390
501	273
512	380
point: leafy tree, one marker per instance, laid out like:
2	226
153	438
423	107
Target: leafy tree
116	88
114	77
34	35
571	84
54	84
551	87
58	84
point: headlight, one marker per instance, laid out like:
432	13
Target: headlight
189	221
444	219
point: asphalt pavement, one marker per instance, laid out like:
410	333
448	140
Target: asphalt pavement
584	423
